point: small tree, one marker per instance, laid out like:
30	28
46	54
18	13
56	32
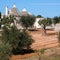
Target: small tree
44	23
18	40
24	43
27	21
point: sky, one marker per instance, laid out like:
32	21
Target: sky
46	8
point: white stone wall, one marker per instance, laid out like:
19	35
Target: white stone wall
36	24
57	27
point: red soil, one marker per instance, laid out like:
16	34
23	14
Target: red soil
44	41
41	41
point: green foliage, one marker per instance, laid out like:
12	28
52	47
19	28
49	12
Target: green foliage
5	51
25	40
45	23
0	19
6	21
56	19
10	36
39	16
42	50
49	20
5	46
17	39
0	15
27	21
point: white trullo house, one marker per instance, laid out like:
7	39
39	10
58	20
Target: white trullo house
17	14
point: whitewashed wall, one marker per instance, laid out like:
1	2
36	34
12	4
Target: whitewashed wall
57	27
36	24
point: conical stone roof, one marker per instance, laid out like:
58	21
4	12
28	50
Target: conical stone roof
14	11
24	12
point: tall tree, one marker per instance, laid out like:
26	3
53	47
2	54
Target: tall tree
27	21
44	23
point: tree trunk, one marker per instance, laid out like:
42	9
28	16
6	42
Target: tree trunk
44	29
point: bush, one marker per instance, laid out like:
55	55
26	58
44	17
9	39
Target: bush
5	51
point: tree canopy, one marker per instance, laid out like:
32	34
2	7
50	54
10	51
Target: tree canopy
6	21
17	39
56	19
27	21
39	16
44	23
14	40
5	51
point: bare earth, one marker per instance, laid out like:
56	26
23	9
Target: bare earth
41	41
44	41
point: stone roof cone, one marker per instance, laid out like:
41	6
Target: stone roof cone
15	11
24	10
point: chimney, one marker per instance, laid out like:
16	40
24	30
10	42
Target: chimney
7	11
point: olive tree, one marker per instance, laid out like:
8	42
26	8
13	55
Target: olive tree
6	39
25	41
17	39
27	21
44	23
